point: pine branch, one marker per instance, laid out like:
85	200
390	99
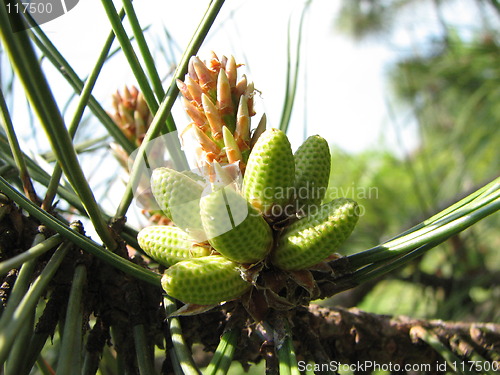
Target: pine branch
354	336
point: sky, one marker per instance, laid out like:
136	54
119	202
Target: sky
341	84
342	94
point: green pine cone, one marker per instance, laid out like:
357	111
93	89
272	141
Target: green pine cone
179	197
234	227
312	172
270	172
311	239
169	245
204	281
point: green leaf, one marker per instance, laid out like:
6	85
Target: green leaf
25	62
167	103
84	242
221	361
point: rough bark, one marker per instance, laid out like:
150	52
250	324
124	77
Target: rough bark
343	337
352	336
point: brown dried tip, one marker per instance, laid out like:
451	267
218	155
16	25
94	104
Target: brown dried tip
249	93
214	56
223	62
242	132
195	114
116	100
125	115
132	114
194	90
232	149
183	89
126	95
215	98
224	100
206	143
191	72
141	106
231	72
215	63
261	128
134	91
213	117
206	78
120	154
140	126
241	86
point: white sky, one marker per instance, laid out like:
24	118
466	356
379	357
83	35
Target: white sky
342	89
344	82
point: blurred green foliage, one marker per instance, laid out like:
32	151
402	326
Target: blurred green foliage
453	94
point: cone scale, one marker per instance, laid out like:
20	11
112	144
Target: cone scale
313	238
258	187
169	245
234	228
269	175
312	172
204	281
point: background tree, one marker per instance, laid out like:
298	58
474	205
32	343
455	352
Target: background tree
449	89
74	304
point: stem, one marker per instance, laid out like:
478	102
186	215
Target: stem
119	355
292	82
129	233
170	97
148	59
287	359
32	355
28	304
20	287
25	63
16	150
144	49
17	358
182	351
60	63
166	106
432	229
77	116
142	348
129	52
459	213
485	190
429	241
39	175
78	239
434	342
71	342
447	226
44	367
223	355
30	254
